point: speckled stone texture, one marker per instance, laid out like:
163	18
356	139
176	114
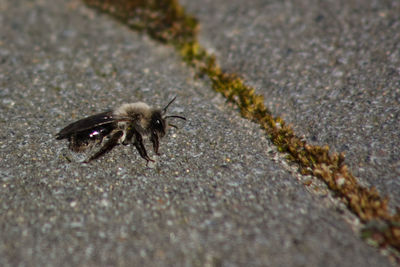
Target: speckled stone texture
217	196
329	68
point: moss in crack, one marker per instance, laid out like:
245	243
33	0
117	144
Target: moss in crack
166	21
163	20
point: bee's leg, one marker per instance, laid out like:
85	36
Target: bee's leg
129	135
140	147
112	142
156	144
77	143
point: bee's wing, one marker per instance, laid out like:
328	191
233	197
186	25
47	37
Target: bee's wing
87	123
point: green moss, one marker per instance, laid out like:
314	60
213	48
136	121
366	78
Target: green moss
166	21
163	20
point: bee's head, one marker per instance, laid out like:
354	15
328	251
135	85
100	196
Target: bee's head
158	124
158	121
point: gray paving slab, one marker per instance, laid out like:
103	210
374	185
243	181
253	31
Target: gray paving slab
330	68
216	195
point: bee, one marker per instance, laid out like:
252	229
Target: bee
127	124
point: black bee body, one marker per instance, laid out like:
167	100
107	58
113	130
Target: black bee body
124	125
83	133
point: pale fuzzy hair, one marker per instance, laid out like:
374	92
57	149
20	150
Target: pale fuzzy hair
129	108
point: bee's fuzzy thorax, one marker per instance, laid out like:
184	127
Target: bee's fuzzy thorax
139	111
133	108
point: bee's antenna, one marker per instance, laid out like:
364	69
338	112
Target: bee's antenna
166	107
175	116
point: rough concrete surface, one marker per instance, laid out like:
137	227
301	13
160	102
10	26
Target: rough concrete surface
330	68
216	196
